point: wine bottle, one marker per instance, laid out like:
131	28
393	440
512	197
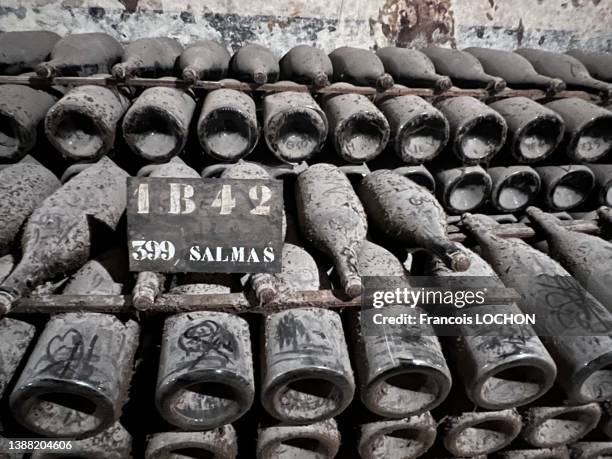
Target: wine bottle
307	65
227	382
299	272
534	130
310	380
565	187
227	126
470	433
277	441
603	181
590	449
599	65
16	336
500	368
204	60
23	187
295	127
22	51
379	439
588	128
463	69
22	108
408	213
82	54
565	67
571	323
333	220
221	442
94	344
93	278
58	236
513	188
254	63
360	67
515	69
156	126
82	125
151	57
559	452
419	175
588	258
573	421
357	128
463	189
477	132
418	130
411	67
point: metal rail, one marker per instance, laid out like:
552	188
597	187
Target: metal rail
275	87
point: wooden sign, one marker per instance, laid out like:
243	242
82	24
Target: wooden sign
209	225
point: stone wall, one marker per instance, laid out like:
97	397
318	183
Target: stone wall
281	24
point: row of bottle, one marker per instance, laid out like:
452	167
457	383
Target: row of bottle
90	53
82	125
408	438
61	222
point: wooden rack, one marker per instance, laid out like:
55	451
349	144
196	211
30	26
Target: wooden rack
276	87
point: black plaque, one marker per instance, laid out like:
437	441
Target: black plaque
205	225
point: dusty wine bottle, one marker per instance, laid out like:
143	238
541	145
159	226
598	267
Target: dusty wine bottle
590	450
22	51
418	130
227	126
357	128
82	125
22	109
582	350
295	127
565	67
82	54
513	187
419	175
410	214
332	219
477	131
196	392
570	423
23	187
307	65
514	69
320	440
16	337
412	68
254	63
603	181
57	237
406	438
474	433
360	67
560	452
585	256
299	273
220	443
503	367
204	60
151	57
306	374
565	187
599	65
83	397
534	130
156	125
587	128
463	69
463	189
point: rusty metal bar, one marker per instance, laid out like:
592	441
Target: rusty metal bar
210	85
232	302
